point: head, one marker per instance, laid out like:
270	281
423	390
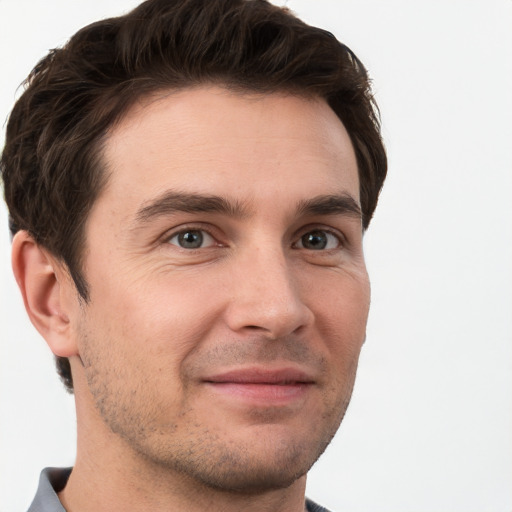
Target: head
63	143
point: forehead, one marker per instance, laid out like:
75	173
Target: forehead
213	141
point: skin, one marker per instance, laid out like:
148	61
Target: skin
277	289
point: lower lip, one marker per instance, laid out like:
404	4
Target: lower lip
271	394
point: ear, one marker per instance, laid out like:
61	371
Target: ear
45	287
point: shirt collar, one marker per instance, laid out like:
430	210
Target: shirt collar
51	481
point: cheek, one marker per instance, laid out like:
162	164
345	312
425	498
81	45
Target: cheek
341	316
157	319
341	303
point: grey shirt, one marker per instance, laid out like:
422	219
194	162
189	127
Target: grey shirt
53	480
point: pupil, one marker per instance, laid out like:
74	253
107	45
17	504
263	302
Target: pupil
191	239
314	240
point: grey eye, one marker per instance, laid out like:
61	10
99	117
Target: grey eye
318	240
191	239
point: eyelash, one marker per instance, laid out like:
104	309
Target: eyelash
308	230
189	229
312	230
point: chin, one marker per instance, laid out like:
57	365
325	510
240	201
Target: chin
264	466
252	479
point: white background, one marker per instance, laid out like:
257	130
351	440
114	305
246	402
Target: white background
430	425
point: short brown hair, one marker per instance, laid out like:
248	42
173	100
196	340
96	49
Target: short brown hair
51	163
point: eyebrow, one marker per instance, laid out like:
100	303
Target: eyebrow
171	202
342	204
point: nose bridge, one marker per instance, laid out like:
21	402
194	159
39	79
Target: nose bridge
266	294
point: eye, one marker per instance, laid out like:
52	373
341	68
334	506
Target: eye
318	240
192	239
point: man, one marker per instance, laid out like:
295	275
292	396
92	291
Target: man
188	187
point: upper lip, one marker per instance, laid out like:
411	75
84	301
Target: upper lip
257	375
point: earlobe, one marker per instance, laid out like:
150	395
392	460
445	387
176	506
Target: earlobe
42	283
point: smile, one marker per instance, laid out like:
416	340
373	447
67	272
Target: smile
262	386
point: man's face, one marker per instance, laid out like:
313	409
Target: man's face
228	290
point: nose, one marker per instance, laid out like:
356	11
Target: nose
265	296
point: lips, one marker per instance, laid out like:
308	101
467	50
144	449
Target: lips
260	386
277	377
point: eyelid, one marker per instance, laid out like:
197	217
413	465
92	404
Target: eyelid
208	230
318	227
206	241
